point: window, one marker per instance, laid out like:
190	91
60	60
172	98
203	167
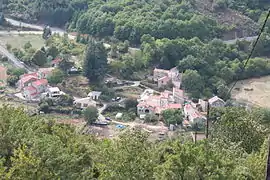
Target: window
147	111
85	105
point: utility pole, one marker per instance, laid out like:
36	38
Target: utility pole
268	161
207	119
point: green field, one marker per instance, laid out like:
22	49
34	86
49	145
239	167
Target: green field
18	41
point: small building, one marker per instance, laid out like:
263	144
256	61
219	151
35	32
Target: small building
216	102
54	92
94	95
84	102
3	76
178	95
163	81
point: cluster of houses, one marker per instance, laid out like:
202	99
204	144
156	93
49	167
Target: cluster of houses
35	85
153	102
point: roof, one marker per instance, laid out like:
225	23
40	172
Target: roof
86	100
161	70
214	99
179	92
27	78
56	61
40	82
53	89
31	89
94	93
165	78
2	68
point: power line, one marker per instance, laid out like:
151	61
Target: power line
245	64
252	50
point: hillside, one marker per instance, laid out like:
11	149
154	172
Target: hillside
130	19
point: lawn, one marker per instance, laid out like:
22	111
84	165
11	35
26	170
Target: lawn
18	41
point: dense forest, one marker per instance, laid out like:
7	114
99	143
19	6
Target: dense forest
38	148
131	19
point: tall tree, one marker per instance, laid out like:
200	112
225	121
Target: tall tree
95	62
193	82
39	58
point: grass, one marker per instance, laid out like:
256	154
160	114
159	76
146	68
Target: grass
18	41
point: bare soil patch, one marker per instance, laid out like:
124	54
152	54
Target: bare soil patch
255	91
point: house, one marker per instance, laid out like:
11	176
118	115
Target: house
216	102
35	89
178	95
45	72
84	102
193	115
150	103
3	76
163	81
30	92
27	79
40	85
54	92
56	62
164	77
94	95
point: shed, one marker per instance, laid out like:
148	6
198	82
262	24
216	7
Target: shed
118	115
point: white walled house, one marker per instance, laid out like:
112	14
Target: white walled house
84	102
94	95
216	102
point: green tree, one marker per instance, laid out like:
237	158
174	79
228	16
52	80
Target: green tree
56	77
172	116
95	61
192	82
8	46
47	32
27	45
90	114
131	103
239	126
39	58
53	51
12	80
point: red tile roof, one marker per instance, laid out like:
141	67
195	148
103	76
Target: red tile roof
40	82
31	89
27	78
56	61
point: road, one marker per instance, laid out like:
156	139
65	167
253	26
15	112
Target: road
13	59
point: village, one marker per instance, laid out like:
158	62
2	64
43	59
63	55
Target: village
150	103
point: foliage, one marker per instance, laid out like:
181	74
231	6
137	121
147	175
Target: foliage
36	148
47	32
192	82
39	58
90	114
16	71
239	126
95	62
56	77
130	103
12	80
172	116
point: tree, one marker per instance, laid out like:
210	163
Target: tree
47	32
8	46
56	77
172	116
39	58
65	64
95	61
12	80
130	103
239	126
90	114
53	51
192	82
27	45
44	107
16	72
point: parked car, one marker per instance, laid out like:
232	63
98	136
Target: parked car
117	98
108	118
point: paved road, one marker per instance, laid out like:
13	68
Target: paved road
13	59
